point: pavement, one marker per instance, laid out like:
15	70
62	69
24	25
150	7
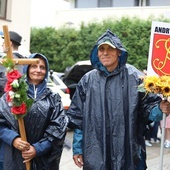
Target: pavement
153	157
67	162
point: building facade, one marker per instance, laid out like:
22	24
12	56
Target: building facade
16	15
86	11
116	3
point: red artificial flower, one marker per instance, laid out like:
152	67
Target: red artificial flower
8	87
13	75
8	98
18	110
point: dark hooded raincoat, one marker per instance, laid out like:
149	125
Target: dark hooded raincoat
45	125
112	113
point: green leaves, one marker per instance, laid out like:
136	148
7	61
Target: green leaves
141	88
66	46
8	63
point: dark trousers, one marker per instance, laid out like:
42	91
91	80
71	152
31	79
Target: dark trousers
154	131
142	163
1	165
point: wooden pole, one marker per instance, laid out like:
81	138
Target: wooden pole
162	142
22	61
8	50
23	137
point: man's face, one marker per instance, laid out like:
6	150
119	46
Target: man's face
108	56
3	46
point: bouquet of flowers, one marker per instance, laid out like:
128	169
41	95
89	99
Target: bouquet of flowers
156	84
16	90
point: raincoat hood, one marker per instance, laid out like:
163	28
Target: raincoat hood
42	86
108	36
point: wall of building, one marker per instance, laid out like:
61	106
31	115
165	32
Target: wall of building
19	20
74	17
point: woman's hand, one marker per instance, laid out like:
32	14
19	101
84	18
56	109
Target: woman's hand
29	154
21	145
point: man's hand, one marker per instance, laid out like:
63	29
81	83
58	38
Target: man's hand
78	160
165	106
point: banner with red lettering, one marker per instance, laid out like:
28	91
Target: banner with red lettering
159	50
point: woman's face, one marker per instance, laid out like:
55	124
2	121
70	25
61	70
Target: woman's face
37	72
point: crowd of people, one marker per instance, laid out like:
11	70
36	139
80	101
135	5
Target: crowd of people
108	114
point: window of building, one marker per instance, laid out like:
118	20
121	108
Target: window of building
141	2
105	3
3	7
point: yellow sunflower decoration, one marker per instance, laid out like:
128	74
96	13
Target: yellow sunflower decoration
156	85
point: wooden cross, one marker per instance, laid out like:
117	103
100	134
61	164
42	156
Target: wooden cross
17	61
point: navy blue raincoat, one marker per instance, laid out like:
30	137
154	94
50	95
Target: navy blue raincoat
112	113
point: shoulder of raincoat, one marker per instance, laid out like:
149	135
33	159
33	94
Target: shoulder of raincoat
110	102
45	125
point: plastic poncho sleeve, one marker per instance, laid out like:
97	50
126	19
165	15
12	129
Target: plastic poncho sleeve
42	147
77	142
7	135
58	120
75	112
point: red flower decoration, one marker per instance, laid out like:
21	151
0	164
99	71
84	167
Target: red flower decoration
18	110
16	90
13	75
8	87
8	98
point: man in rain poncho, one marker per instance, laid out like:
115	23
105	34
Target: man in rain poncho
110	111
